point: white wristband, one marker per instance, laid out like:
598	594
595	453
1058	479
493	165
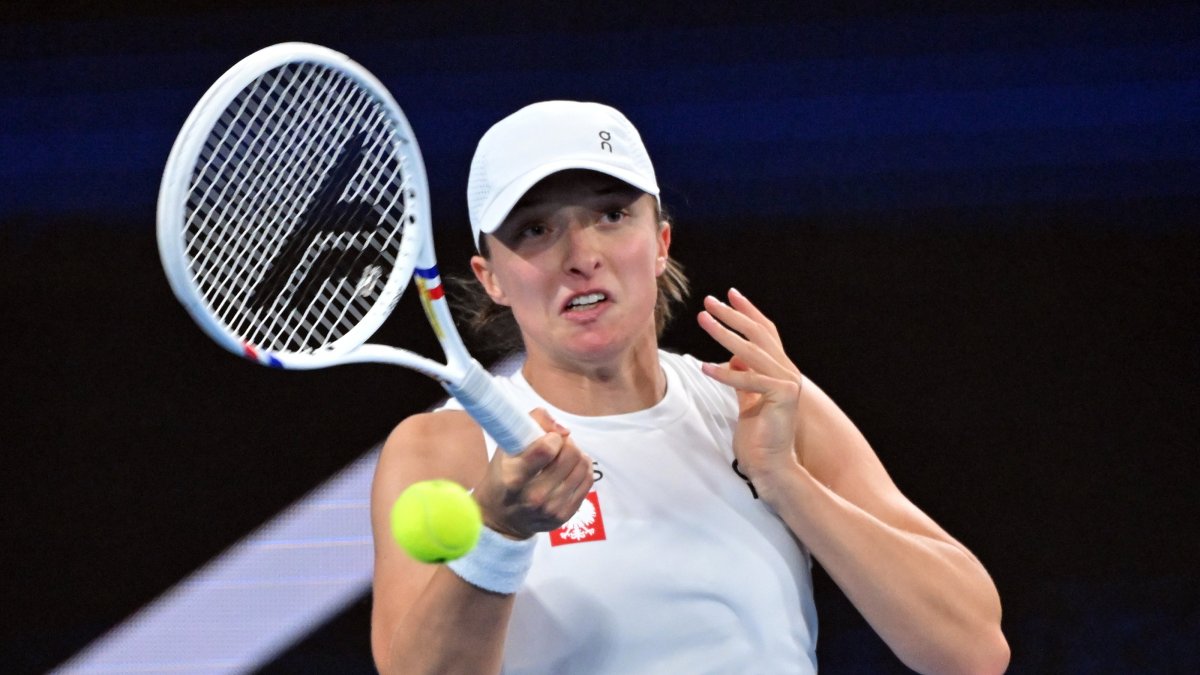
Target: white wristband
497	563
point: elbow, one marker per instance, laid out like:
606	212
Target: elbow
997	655
989	656
984	653
985	650
993	653
379	650
382	663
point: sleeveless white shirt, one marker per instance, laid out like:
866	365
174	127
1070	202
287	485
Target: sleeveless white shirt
692	574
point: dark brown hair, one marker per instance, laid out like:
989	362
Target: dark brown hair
495	329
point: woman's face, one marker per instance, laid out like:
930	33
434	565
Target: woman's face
577	261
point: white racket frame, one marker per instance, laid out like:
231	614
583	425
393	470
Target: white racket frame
461	375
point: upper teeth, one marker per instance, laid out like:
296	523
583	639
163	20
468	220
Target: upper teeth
586	299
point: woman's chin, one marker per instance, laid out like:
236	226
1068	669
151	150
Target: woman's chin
594	350
599	348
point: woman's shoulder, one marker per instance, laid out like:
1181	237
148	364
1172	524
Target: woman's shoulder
442	444
683	364
441	424
687	368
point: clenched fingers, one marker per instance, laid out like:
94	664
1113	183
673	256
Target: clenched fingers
538	489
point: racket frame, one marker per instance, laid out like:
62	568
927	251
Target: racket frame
462	376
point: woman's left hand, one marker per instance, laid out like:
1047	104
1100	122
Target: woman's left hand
767	383
924	593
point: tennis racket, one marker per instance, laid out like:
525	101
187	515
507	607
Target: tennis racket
294	210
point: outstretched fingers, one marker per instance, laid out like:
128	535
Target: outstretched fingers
741	319
748	380
741	303
739	335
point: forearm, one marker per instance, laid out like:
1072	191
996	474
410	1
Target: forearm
430	619
929	599
925	595
452	627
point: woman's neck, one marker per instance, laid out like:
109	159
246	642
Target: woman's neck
633	382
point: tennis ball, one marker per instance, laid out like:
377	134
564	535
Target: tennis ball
436	520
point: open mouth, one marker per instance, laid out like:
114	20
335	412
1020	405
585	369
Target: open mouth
585	302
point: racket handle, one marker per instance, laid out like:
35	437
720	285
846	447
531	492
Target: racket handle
478	394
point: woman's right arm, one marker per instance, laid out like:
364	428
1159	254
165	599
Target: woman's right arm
425	618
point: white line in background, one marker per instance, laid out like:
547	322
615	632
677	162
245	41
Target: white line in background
257	598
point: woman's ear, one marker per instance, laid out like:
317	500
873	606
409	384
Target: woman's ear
482	268
664	248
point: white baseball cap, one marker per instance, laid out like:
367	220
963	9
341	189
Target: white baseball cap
545	138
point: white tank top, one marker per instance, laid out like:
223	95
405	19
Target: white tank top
671	565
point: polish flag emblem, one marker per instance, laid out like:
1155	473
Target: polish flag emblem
586	525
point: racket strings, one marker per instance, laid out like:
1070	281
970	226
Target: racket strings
242	136
270	138
261	196
297	209
340	252
325	312
340	259
275	280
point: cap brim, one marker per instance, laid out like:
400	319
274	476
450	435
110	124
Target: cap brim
507	198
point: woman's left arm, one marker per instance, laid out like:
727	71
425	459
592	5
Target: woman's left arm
925	594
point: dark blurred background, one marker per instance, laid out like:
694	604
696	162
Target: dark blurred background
976	224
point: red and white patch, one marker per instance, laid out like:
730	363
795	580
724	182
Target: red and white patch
586	525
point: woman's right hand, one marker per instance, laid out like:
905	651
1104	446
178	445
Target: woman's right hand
539	489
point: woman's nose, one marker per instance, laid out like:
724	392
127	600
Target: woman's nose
582	254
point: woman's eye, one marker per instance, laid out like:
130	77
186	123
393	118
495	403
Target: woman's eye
532	231
614	216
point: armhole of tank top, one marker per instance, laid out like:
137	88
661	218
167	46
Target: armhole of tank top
489	443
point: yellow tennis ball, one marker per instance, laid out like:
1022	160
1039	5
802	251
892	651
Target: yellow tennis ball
436	520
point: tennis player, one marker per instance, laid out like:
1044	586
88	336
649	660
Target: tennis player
666	521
